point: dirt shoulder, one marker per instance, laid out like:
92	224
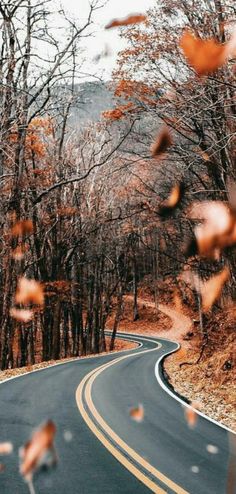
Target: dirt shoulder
211	382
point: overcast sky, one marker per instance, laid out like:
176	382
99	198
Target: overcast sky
105	38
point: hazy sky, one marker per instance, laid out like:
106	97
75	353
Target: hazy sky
105	38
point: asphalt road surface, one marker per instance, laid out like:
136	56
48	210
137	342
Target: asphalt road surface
160	454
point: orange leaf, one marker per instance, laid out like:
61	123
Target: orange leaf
29	291
168	206
131	19
23	227
34	450
205	56
137	413
21	315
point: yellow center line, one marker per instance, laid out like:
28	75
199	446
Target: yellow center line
86	384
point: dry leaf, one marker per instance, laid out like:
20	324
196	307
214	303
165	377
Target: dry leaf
6	448
21	315
29	291
168	206
137	413
205	56
23	227
162	143
34	450
211	289
191	415
131	19
217	230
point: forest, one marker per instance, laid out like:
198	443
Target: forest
146	194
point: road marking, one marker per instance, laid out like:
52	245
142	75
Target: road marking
86	386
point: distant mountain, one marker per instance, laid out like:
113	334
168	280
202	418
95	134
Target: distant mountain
93	99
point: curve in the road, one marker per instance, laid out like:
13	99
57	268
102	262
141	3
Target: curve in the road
111	440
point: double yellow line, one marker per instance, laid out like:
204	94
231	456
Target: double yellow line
116	444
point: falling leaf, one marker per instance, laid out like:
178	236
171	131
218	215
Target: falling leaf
23	227
2	468
162	143
21	315
137	413
35	449
29	291
211	290
19	252
216	231
131	19
212	449
6	448
68	436
205	56
191	415
168	206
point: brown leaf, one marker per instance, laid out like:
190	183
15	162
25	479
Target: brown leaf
34	450
137	413
176	195
162	143
216	231
29	291
209	290
131	19
23	227
6	448
205	56
212	288
21	315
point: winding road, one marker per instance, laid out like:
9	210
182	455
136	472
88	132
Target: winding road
101	449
